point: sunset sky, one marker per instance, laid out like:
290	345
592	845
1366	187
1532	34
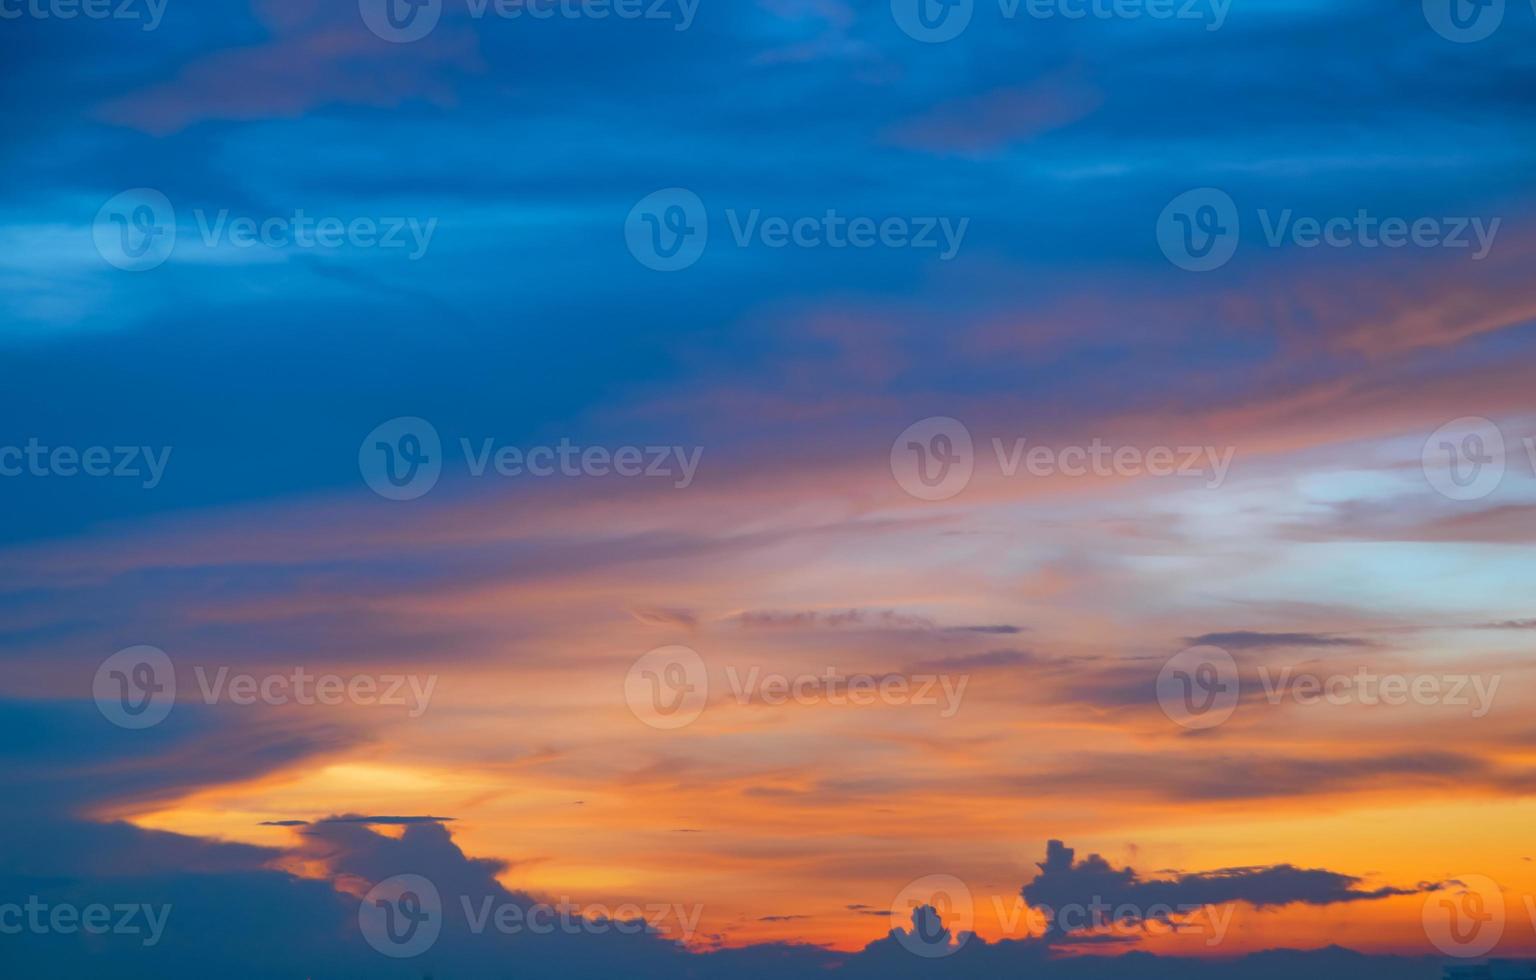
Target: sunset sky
1316	460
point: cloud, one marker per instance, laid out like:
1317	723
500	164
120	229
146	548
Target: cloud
846	619
986	123
1512	624
977	661
383	821
680	618
1251	640
1092	882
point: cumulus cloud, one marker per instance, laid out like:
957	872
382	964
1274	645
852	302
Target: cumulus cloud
1093	882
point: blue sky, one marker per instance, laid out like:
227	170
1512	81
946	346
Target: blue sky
506	157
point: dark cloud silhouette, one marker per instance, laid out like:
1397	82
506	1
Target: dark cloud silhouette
977	661
1253	640
350	818
1003	630
1093	882
1512	624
